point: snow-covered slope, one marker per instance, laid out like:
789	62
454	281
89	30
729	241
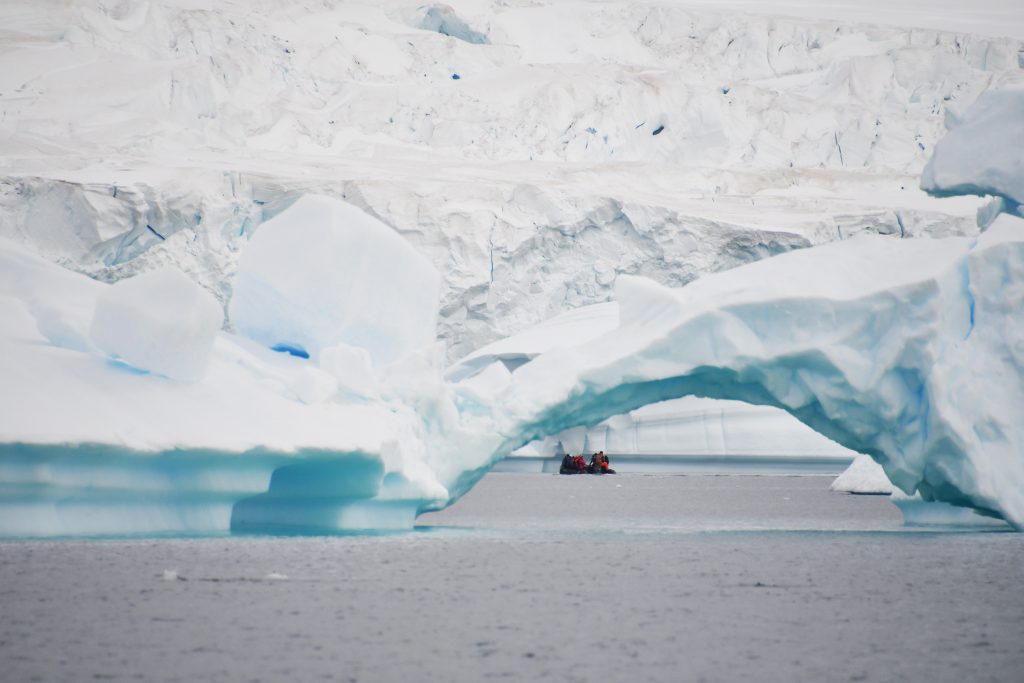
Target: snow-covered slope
580	140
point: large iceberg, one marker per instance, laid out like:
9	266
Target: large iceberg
910	352
113	423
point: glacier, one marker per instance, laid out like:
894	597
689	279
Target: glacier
786	124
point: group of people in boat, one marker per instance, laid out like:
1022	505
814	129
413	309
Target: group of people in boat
575	464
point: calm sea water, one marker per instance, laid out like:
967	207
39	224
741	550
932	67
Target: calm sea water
537	577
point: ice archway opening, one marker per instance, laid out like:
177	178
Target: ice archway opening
908	351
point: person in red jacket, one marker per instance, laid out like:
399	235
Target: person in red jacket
599	464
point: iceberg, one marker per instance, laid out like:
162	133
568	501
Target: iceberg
864	476
910	352
99	445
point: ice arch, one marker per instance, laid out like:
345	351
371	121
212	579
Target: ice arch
909	351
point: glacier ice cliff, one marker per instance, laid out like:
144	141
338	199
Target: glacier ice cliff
139	134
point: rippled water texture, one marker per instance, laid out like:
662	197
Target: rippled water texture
538	577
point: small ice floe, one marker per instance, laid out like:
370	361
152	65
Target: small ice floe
274	576
172	575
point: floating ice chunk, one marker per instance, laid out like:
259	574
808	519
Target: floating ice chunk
160	322
983	153
322	273
864	475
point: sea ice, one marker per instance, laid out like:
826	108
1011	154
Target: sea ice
323	273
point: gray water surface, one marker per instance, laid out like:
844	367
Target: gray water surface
537	577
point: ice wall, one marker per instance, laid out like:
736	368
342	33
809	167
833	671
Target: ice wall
138	135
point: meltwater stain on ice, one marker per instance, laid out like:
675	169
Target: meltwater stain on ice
291	350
